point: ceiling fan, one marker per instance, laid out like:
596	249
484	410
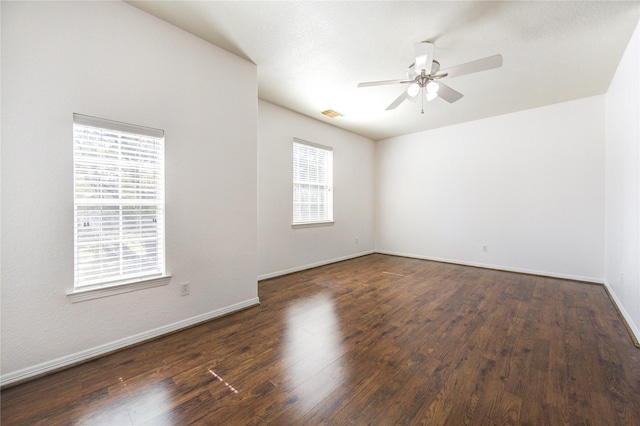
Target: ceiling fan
424	75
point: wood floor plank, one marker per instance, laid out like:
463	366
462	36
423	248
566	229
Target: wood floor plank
373	340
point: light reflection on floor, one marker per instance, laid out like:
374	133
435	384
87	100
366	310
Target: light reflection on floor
313	369
313	339
142	404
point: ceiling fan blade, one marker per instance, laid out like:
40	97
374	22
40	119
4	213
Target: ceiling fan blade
404	95
478	65
383	82
424	56
447	93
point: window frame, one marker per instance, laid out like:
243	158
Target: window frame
328	184
121	282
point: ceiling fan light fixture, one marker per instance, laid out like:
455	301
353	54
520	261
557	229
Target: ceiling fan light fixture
413	90
432	90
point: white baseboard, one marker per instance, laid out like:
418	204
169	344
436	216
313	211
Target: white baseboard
497	267
631	326
85	355
313	265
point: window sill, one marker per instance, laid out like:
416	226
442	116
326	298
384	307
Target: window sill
105	291
312	224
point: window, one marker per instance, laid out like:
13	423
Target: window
118	202
312	183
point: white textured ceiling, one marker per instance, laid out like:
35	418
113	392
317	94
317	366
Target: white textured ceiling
312	54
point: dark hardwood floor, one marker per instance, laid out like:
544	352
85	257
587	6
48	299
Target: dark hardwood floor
378	340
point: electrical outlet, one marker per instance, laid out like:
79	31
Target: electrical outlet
485	249
184	289
357	241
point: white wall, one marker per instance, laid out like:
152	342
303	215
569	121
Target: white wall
622	274
528	185
283	249
110	60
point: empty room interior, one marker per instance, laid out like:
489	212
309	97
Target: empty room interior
310	212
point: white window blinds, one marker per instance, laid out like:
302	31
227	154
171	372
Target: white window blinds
312	183
118	202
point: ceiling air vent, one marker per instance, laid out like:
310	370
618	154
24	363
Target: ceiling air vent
332	114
